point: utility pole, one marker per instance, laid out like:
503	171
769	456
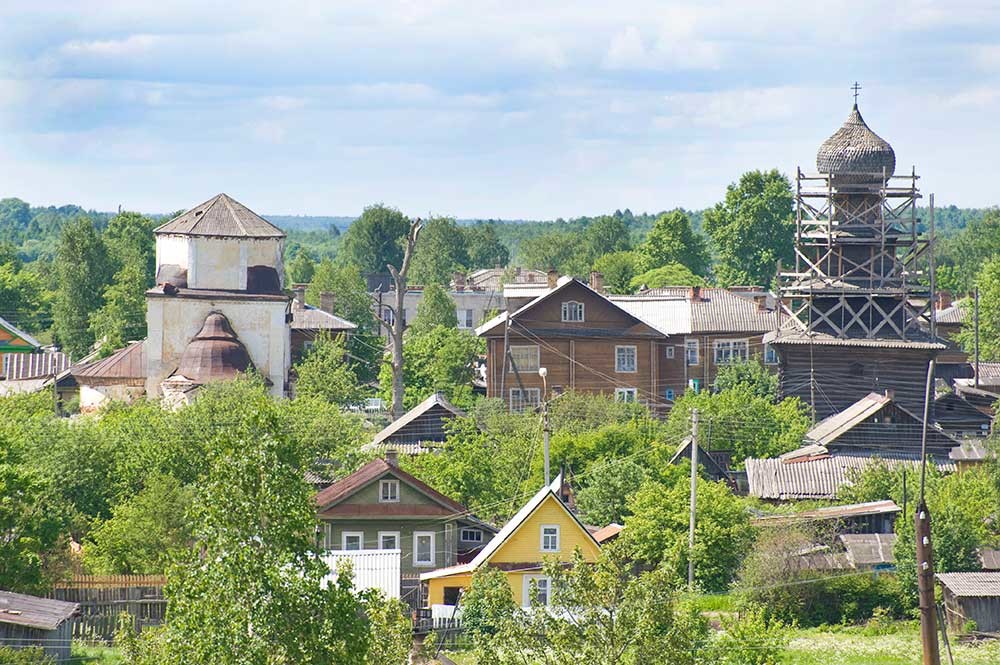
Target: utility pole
694	495
925	552
546	430
976	328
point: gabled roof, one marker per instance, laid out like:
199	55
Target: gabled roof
971	585
17	332
713	468
221	216
127	364
436	400
307	317
34	612
510	528
720	310
374	470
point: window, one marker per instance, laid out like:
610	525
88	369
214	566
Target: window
541	586
464	318
388	316
550	537
624	394
528	398
624	358
423	548
352	540
669	394
572	311
524	358
388	491
388	540
770	355
670	351
730	350
327	536
471	536
691	351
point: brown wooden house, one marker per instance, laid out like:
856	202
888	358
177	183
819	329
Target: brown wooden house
647	348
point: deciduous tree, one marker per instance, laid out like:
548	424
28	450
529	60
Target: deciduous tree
325	372
441	253
84	269
436	308
672	240
375	239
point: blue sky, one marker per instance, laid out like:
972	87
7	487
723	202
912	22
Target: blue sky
480	109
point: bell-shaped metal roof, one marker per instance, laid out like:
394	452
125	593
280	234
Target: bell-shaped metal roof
215	353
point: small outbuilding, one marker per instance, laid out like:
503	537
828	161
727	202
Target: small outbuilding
971	599
30	621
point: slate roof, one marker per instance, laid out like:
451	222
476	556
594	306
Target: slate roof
990	559
833	427
970	451
721	310
221	216
34	612
668	315
818	476
345	487
17	332
413	415
490	279
868	549
971	585
831	513
790	335
989	373
307	317
124	365
955	314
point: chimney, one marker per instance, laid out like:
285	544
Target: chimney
553	276
597	281
326	300
392	457
694	295
300	293
459	280
944	300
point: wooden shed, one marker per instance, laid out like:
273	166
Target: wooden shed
971	598
30	621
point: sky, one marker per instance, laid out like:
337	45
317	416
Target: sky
505	109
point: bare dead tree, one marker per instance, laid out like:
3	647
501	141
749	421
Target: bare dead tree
395	324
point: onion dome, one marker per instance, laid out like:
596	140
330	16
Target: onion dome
856	153
215	353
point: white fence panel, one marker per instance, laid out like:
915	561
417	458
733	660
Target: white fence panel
373	569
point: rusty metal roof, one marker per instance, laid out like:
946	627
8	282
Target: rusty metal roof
24	366
215	353
221	216
34	612
971	585
124	365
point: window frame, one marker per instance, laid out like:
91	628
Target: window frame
670	351
769	350
417	563
731	345
625	392
513	362
635	358
468	529
383	534
388	482
542	535
572	306
465	318
344	535
524	405
689	346
526	589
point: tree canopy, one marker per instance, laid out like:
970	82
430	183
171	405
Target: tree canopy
374	240
672	240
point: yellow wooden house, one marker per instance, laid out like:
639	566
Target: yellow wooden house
14	341
544	528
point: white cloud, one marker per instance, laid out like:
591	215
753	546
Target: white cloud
284	102
673	49
131	46
267	131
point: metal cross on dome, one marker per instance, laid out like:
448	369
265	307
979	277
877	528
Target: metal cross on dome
855	88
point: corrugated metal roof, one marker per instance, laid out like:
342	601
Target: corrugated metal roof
722	310
24	366
815	478
670	316
792	335
221	216
124	364
972	585
831	513
34	612
833	427
307	317
955	314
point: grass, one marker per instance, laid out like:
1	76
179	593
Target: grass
855	645
96	655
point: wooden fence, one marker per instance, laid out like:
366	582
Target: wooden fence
103	598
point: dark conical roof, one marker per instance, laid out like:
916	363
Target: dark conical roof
215	353
855	149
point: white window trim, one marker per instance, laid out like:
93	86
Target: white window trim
381	486
524	403
541	538
620	393
538	360
394	534
344	535
732	345
466	318
526	589
328	535
771	349
635	355
670	351
463	530
425	564
565	308
692	344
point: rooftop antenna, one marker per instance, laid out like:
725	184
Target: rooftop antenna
856	87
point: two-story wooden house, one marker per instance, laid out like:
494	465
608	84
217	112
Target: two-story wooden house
648	347
382	507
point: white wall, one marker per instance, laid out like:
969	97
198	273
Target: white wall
373	569
172	249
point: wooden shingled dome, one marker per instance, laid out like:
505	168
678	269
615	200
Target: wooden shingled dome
856	154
